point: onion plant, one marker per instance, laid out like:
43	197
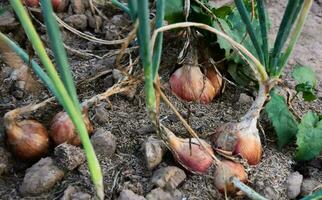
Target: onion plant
60	84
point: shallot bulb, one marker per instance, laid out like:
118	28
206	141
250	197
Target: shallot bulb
63	130
28	139
189	153
240	138
58	5
190	84
225	171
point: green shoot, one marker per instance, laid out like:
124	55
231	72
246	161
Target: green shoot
62	94
262	15
59	50
250	30
122	6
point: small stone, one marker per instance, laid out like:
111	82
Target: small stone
270	193
308	186
108	81
101	114
293	183
117	75
8	21
78	6
245	99
129	195
104	143
4	161
78	21
154	150
69	156
160	194
95	22
168	177
41	177
68	193
80	196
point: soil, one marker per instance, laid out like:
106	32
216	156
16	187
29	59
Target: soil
126	117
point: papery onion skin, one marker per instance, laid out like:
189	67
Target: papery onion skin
58	5
240	138
227	170
190	154
189	83
27	139
63	130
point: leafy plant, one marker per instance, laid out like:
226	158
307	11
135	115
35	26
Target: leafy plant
62	87
306	80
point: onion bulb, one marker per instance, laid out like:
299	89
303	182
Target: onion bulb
189	153
240	138
191	84
58	5
63	130
27	139
225	171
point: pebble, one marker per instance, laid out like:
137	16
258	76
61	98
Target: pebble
308	186
293	183
69	156
80	196
129	195
68	193
161	194
101	114
168	177
41	177
104	143
154	150
78	6
245	99
78	21
270	193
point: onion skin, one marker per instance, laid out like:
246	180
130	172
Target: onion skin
58	5
63	130
190	154
227	170
240	138
190	84
28	139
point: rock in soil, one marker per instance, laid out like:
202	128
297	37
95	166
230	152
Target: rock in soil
168	177
308	186
129	195
4	161
80	196
8	21
77	21
161	194
104	143
68	193
293	183
41	177
78	6
245	99
270	193
101	114
154	150
69	156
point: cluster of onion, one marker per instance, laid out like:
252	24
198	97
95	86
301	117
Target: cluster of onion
29	139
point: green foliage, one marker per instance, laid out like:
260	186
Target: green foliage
282	119
306	80
174	11
309	137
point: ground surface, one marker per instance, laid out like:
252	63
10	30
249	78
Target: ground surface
128	121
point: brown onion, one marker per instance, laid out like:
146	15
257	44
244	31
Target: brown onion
225	172
191	84
240	138
58	5
189	153
63	130
28	139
